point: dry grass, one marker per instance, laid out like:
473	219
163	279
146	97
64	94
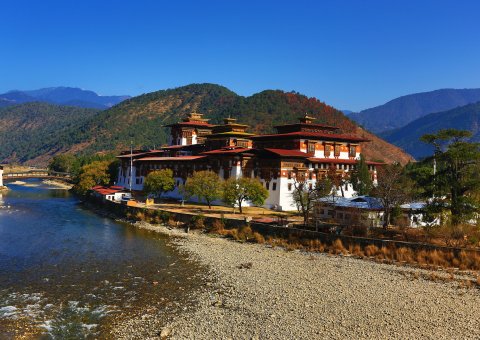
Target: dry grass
404	255
338	248
464	260
371	250
258	238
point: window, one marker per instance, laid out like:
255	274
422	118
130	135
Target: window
328	149
310	186
352	151
289	186
337	150
274	186
289	175
267	185
311	147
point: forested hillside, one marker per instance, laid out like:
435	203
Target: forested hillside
141	119
35	131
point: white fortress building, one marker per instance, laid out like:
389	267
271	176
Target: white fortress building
303	151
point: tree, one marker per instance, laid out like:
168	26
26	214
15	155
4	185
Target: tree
337	180
456	180
95	173
393	188
159	181
361	178
305	195
236	191
205	185
63	163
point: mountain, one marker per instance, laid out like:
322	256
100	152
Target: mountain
347	112
462	118
141	120
39	130
401	111
61	95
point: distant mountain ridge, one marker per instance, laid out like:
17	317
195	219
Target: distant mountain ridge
70	96
403	110
462	118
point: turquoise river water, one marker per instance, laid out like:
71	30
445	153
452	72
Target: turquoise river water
66	272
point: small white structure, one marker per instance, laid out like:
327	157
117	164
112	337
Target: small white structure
1	176
114	193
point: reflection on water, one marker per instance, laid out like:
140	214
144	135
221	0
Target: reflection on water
65	270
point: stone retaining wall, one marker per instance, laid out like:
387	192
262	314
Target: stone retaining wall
287	232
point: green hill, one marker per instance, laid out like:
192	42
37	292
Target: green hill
141	119
34	131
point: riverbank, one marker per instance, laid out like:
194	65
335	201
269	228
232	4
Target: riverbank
255	291
57	184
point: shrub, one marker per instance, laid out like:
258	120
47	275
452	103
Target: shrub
357	251
164	216
371	250
258	238
245	233
140	216
338	248
197	222
171	222
217	227
404	255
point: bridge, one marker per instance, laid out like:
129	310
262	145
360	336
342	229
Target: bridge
34	173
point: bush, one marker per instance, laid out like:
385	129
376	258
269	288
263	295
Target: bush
165	216
258	238
197	222
371	250
338	248
217	227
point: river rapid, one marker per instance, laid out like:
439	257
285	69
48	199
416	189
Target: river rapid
66	272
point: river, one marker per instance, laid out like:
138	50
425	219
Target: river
66	272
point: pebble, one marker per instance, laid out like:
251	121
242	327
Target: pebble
286	295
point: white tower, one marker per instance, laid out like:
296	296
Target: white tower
1	176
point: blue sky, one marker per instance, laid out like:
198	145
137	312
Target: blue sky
350	54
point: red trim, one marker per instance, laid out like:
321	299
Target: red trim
202	124
225	151
287	153
339	161
179	158
326	136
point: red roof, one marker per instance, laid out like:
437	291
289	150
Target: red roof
287	153
173	147
226	151
107	191
132	155
313	125
179	158
202	124
327	136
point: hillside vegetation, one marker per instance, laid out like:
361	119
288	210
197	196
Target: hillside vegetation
141	119
36	131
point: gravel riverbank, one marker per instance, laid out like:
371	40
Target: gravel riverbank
255	292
